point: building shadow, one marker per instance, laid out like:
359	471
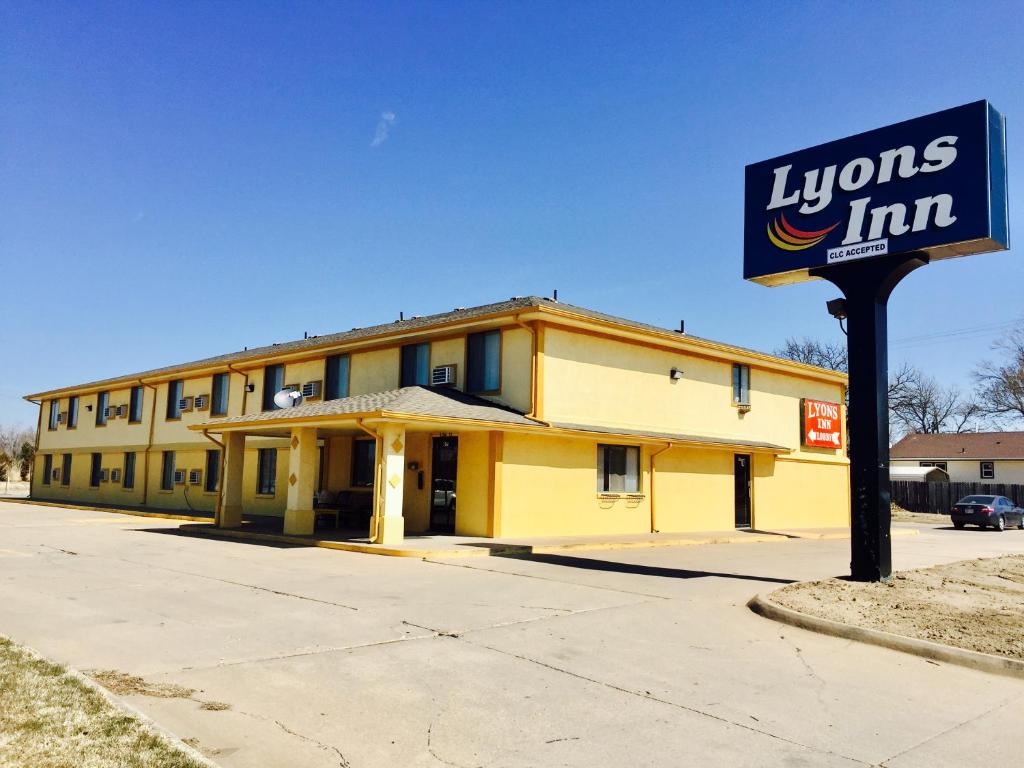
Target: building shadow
611	566
184	532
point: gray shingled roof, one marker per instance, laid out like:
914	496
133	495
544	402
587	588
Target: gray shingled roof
440	402
516	303
681	437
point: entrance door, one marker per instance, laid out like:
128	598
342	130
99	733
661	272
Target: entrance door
741	472
443	470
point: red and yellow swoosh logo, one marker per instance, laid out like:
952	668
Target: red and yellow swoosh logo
789	238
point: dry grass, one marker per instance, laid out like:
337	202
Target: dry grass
972	604
49	719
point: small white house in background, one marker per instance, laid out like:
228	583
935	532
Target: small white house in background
919	474
975	457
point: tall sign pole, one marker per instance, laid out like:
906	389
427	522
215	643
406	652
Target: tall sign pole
863	212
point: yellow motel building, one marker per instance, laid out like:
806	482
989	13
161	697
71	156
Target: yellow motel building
523	418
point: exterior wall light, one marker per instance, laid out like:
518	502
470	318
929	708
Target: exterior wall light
675	374
250	387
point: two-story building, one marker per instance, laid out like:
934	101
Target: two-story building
527	417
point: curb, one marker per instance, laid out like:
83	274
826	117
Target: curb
984	662
114	510
147	722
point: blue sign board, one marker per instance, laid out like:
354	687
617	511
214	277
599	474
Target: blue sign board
935	184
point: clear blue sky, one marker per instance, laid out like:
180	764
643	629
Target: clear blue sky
184	179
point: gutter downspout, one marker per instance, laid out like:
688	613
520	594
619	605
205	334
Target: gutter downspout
377	477
654	516
532	415
149	445
220	478
39	430
245	385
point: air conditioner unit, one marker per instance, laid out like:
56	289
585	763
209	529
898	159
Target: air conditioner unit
202	402
179	477
61	417
122	411
311	390
55	474
185	404
110	412
104	475
442	375
195	477
115	475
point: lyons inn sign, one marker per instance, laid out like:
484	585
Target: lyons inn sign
863	212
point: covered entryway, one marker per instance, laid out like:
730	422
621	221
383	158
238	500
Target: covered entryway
443	472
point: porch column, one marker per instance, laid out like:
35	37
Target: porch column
234	460
390	523
302	460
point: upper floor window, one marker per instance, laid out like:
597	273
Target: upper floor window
741	384
988	470
175	389
415	365
135	405
266	471
618	469
54	414
483	362
72	411
336	377
219	394
102	403
364	459
273	382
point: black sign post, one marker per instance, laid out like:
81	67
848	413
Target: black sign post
867	286
863	212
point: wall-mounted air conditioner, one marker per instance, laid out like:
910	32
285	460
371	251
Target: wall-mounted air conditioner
195	477
122	411
202	402
442	375
110	412
179	477
104	475
115	475
185	404
311	390
62	417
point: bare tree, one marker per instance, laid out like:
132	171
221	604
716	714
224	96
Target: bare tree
919	404
824	354
1000	384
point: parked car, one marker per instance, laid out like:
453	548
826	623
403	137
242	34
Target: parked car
984	511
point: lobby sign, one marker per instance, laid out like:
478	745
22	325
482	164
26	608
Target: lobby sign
935	184
821	424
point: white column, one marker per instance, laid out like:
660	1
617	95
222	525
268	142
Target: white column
390	523
234	464
302	461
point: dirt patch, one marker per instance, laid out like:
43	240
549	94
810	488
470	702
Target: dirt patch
123	684
214	706
972	604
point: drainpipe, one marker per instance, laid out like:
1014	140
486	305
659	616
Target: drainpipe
245	385
32	469
533	370
149	445
377	479
654	516
220	478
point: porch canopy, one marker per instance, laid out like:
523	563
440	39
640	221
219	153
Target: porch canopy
387	417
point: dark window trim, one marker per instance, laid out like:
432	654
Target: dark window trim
72	419
328	389
226	378
268	397
168	461
128	478
65	469
47	468
501	353
95	469
52	422
355	462
132	400
603	471
212	472
102	403
740	400
173	412
410	380
266	486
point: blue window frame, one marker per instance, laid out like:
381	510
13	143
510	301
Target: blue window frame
336	377
415	365
273	382
175	389
483	362
219	394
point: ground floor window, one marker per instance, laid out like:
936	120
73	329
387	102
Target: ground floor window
65	469
167	472
618	469
363	460
266	472
94	470
128	481
940	464
47	468
212	470
988	470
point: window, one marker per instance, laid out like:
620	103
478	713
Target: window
940	464
94	470
65	469
415	365
212	470
741	384
336	377
47	468
483	362
219	395
175	389
618	469
266	472
102	403
128	481
988	470
54	414
167	472
273	382
363	461
135	405
72	411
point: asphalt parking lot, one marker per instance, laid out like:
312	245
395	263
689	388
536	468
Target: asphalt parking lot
641	657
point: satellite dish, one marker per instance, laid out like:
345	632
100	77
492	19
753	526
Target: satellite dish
288	398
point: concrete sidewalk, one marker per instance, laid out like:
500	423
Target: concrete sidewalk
634	657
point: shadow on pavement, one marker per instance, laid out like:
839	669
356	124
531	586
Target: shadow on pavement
587	563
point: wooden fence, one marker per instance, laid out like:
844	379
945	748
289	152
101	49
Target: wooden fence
939	498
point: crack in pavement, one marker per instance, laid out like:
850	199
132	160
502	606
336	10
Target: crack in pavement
677	705
343	761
